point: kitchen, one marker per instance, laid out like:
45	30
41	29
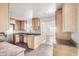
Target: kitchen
26	29
39	29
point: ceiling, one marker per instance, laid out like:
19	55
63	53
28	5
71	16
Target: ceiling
25	11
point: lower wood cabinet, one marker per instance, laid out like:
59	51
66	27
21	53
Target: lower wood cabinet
33	41
25	39
16	39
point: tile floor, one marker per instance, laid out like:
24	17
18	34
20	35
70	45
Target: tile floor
42	50
47	50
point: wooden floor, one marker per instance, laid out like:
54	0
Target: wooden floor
66	42
64	50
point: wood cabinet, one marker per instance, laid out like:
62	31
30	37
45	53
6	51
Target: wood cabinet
16	39
4	17
19	25
59	31
69	16
33	41
36	23
25	38
22	25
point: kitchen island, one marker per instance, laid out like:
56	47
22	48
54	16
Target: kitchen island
32	39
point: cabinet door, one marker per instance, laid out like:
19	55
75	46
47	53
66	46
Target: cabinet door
69	17
59	32
34	41
22	25
36	23
25	39
30	42
17	25
17	37
4	17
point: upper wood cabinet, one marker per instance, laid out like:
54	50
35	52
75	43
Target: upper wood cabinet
59	32
36	23
19	25
4	17
69	16
22	25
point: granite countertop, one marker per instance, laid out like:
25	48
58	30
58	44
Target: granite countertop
26	33
7	49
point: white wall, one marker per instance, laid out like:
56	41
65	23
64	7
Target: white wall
75	36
